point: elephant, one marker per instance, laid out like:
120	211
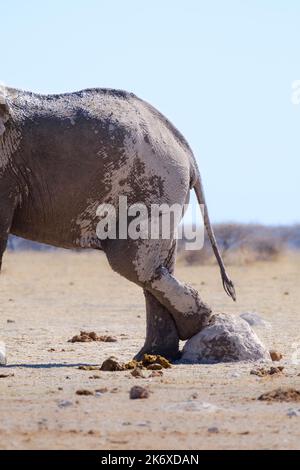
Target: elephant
63	155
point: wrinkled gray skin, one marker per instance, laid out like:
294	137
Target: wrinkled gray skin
63	155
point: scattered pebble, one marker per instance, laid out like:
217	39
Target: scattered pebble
194	396
213	430
281	395
64	404
87	337
112	365
101	390
5	376
138	373
84	392
138	392
293	412
95	377
10	321
275	355
262	372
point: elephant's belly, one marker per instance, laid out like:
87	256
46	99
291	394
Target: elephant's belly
65	226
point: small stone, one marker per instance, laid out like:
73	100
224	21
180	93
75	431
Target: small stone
101	390
5	376
64	404
194	396
275	355
138	392
112	365
10	321
84	392
213	430
293	412
138	373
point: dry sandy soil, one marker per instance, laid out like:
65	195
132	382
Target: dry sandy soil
46	298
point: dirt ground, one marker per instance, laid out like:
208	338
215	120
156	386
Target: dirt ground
46	298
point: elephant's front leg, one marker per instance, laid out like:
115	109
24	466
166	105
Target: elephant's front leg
6	217
7	207
161	333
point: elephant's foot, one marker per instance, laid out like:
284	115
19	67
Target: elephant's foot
161	333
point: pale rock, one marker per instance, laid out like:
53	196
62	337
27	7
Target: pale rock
227	338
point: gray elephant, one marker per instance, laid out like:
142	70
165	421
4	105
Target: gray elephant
61	156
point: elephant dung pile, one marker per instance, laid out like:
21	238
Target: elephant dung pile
227	338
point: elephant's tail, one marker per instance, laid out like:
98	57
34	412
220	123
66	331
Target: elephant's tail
227	283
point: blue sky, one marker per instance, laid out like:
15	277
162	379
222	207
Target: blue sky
221	71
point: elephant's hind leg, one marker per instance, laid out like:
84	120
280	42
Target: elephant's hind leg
182	301
149	263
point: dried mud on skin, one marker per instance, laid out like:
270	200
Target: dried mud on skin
281	395
88	337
